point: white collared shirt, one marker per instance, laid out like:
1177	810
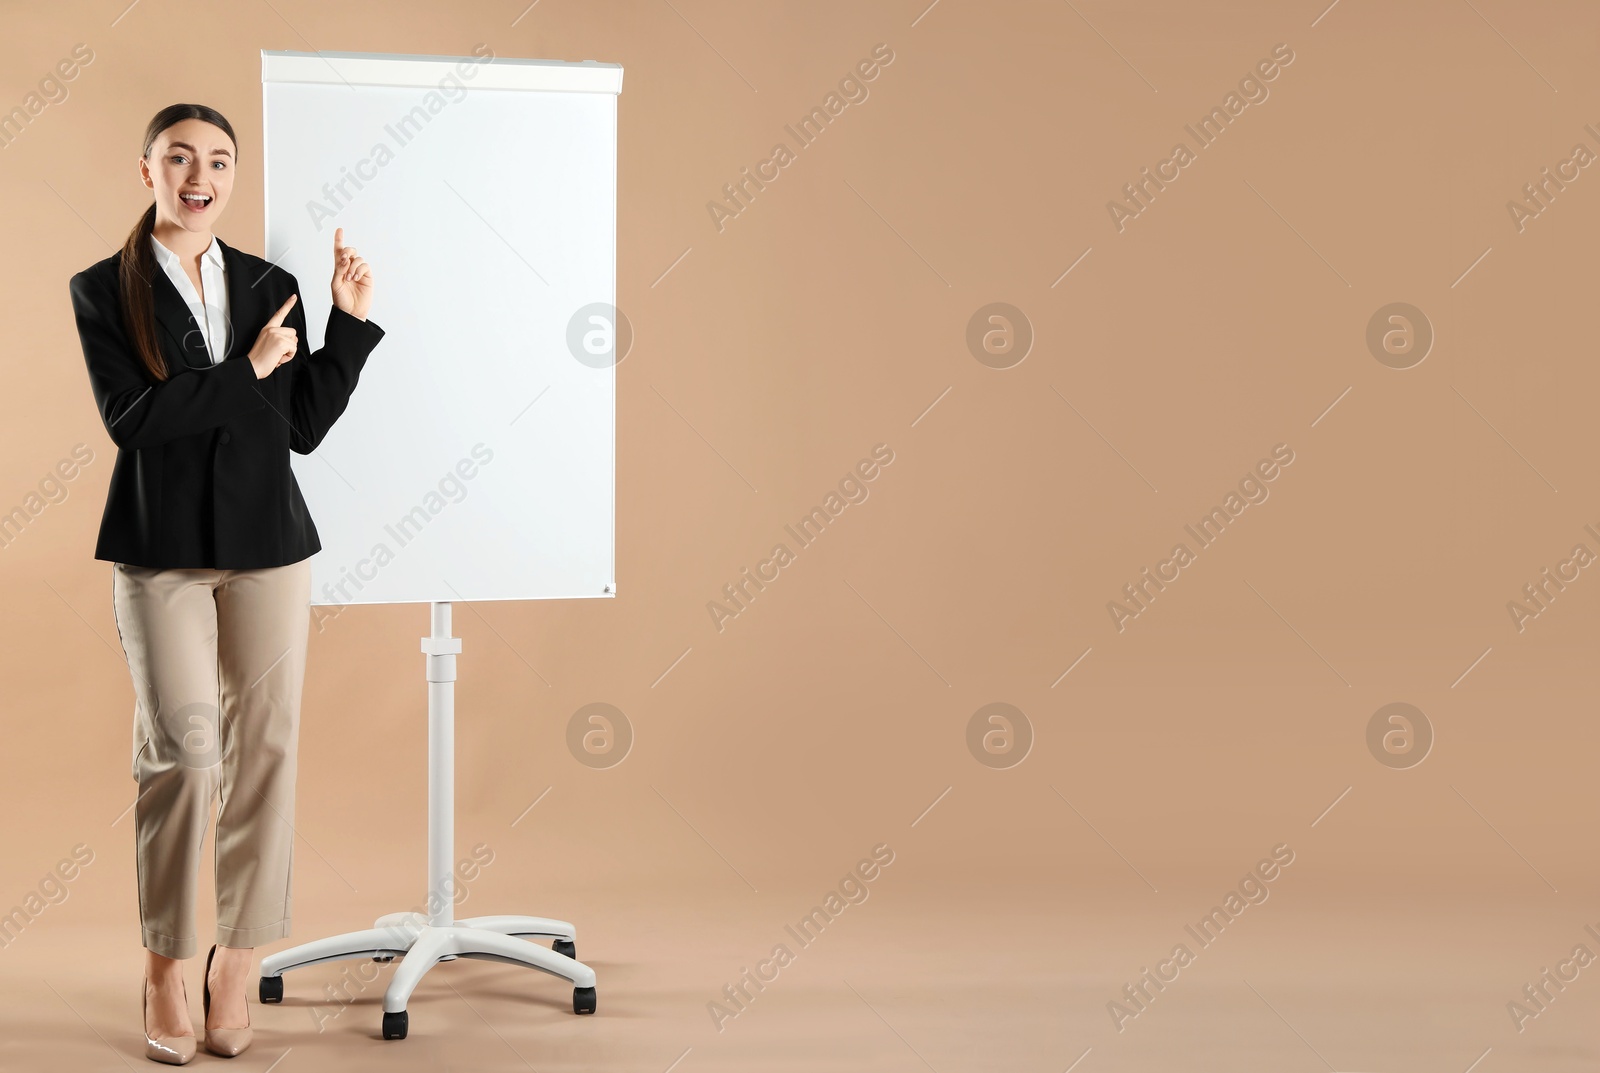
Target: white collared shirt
213	317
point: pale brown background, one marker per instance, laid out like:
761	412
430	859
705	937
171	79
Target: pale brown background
827	718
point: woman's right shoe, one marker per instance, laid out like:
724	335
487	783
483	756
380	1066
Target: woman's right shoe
174	1050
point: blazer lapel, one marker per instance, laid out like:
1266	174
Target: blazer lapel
187	343
245	302
186	335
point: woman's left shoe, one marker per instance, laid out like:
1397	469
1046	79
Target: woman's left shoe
223	1042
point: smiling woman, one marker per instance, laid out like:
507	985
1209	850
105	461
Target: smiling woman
210	542
189	164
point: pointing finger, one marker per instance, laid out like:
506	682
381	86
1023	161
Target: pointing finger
276	320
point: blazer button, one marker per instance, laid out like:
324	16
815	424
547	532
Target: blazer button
224	438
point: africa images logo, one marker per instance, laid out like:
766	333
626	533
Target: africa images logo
1252	89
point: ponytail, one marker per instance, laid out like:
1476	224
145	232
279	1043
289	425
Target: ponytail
138	297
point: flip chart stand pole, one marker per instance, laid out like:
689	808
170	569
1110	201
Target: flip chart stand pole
424	940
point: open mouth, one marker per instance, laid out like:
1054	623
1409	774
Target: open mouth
195	202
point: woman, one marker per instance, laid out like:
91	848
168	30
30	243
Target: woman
210	545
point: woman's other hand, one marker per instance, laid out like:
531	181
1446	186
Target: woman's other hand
275	344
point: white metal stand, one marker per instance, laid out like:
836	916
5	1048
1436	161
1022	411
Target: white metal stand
424	940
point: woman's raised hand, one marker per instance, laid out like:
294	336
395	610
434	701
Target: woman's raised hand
352	278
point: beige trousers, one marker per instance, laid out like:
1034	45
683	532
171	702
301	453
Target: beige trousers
218	660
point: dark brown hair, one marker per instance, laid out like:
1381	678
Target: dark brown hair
139	261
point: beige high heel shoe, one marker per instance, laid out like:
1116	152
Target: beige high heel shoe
224	1042
174	1050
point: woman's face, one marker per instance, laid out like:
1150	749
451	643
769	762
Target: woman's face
191	157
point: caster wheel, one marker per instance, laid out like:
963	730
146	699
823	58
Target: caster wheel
394	1025
271	989
383	959
567	947
583	1000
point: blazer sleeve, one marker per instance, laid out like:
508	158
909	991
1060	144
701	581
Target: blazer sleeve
137	411
324	381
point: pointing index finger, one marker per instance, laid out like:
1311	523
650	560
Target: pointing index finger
276	321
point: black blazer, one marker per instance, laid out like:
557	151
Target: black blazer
202	476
